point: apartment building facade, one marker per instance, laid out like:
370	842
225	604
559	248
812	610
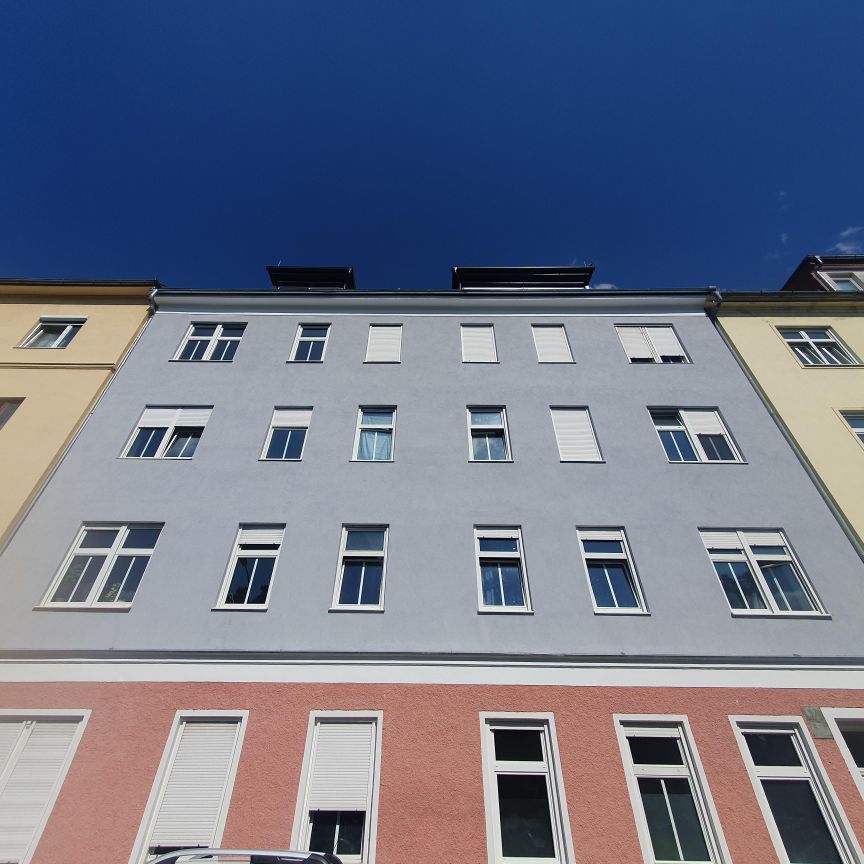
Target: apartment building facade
60	344
521	571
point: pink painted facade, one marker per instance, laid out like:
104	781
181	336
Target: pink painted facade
431	798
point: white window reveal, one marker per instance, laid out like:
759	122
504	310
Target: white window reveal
189	800
251	566
611	574
651	344
211	342
373	441
35	752
478	343
362	560
551	343
488	440
669	794
384	344
694	435
502	585
310	343
53	332
759	574
525	805
168	433
340	795
818	346
105	566
574	433
855	419
286	437
804	817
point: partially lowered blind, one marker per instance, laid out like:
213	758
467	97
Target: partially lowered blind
176	416
385	343
635	344
341	774
31	783
575	435
478	344
292	417
703	422
261	534
601	535
764	538
550	340
195	789
721	539
665	341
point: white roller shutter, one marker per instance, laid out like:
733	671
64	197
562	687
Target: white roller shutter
195	789
158	417
601	535
193	416
385	343
575	435
176	416
721	539
292	417
764	538
665	341
550	340
340	777
703	422
261	534
31	784
635	343
478	344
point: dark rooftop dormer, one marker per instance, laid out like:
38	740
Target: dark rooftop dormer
306	278
828	273
522	278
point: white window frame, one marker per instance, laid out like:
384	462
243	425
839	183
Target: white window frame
746	554
236	552
360	427
298	338
626	556
543	722
68	322
666	726
507	533
806	340
649	344
503	426
491	328
856	278
695	443
373	327
274	426
335	605
811	769
563	330
169	427
852	717
140	848
302	824
845	415
79	716
111	554
212	340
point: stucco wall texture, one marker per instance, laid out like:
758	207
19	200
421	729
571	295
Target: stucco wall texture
431	792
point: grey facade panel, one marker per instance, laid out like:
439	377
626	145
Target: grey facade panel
431	496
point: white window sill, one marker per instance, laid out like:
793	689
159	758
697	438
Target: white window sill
305	362
380	363
74	607
502	610
761	613
490	461
357	608
641	613
582	461
481	362
265	459
240	607
373	461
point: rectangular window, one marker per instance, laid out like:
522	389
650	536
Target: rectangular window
501	582
105	566
7	408
337	803
818	346
216	342
668	792
488	440
759	574
651	344
846	281
189	800
551	343
478	343
574	433
286	437
384	344
694	435
373	441
168	433
53	332
35	752
804	818
855	419
310	343
251	567
525	804
611	574
362	564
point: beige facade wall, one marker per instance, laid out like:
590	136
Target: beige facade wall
58	386
809	400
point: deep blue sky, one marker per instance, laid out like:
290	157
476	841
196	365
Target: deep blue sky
674	144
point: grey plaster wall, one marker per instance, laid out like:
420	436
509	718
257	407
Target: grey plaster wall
431	497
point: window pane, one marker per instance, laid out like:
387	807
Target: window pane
286	444
373	446
480	448
125	574
358	539
146	442
46	336
323	835
518	745
686	819
739	585
261	581
497	449
768	748
499	544
240	580
854	739
302	354
352	577
194	349
655	751
526	824
486	418
768	550
677	446
716	448
233	330
73	573
490	584
313	332
350	840
91	571
658	819
377	418
800	822
206	330
225	350
383	445
99	538
371	591
600	587
183	442
141	538
511	581
606	546
619	575
133	578
785	586
315	351
70	334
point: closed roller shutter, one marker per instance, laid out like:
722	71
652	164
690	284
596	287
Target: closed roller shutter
261	534
478	344
764	538
292	417
550	340
703	422
385	343
575	435
601	535
635	343
665	341
721	539
342	759
176	416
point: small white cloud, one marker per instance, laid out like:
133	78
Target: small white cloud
851	232
846	245
784	237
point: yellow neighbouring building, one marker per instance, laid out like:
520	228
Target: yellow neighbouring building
60	344
804	349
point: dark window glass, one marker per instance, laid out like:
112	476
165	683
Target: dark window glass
183	443
658	819
488	446
785	586
768	748
146	442
141	538
233	330
99	538
716	448
123	580
225	350
361	582
501	583
286	443
337	832
655	751
314	333
611	584
81	567
674	808
250	581
518	745
602	546
526	823
499	544
677	446
854	739
359	540
806	837
739	585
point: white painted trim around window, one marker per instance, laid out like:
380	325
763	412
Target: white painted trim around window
53	320
292	357
335	605
507	448
504	532
359	427
854	716
232	560
642	608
